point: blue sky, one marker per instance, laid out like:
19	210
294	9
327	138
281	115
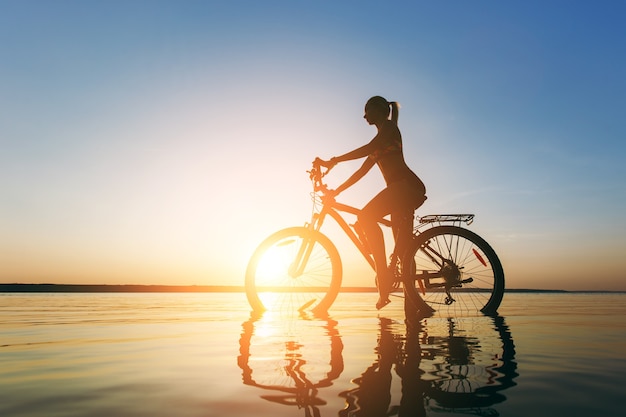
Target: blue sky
159	142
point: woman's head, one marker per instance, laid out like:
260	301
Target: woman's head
377	109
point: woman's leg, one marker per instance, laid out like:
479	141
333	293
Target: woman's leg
375	210
399	197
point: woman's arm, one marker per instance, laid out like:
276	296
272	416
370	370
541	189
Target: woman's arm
385	134
358	153
359	173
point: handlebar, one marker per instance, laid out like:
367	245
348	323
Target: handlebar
316	174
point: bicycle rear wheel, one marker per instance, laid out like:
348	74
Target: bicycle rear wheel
453	271
294	269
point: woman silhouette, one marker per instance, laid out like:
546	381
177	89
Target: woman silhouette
404	192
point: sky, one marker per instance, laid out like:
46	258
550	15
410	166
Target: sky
159	142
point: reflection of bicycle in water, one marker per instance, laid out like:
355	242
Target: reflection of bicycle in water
295	357
441	265
452	365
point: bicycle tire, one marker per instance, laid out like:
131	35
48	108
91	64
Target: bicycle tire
269	284
472	256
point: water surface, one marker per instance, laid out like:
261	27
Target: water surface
184	354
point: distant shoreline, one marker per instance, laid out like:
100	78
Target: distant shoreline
131	288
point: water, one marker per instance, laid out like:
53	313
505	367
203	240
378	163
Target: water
205	355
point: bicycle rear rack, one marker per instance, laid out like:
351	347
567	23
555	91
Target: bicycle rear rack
447	218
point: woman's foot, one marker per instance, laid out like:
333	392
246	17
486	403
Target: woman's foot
384	284
382	302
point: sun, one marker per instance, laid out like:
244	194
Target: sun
273	267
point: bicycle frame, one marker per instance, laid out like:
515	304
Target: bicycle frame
332	208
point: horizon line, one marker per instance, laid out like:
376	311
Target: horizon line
147	288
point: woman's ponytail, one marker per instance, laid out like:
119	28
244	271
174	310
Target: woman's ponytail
395	109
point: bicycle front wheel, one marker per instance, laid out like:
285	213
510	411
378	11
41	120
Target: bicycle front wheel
294	269
454	271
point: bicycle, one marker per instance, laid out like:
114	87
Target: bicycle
441	265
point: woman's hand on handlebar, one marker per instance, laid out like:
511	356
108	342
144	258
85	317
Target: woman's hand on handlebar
327	164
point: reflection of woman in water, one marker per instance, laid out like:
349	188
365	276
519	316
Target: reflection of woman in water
467	373
404	192
372	397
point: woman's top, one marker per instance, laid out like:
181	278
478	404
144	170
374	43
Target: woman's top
387	153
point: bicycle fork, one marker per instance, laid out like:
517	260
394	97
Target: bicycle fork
302	257
306	248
